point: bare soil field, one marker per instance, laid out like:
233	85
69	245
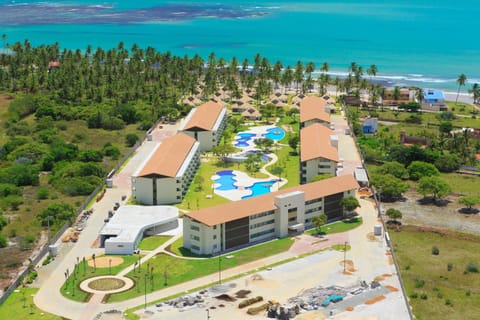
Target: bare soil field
446	217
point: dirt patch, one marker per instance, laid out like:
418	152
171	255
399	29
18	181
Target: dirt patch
242	294
225	297
446	217
349	309
349	266
375	299
103	262
391	288
371	237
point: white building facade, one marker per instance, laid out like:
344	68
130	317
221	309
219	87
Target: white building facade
275	215
205	124
165	176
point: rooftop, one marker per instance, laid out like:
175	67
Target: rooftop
312	108
129	221
240	209
204	117
433	94
315	143
167	158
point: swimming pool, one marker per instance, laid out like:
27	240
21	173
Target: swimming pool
226	180
243	138
259	188
275	134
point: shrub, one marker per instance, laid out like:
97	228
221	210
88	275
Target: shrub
131	139
3	241
419	283
414	295
449	266
42	193
448	302
423	296
247	302
435	251
471	267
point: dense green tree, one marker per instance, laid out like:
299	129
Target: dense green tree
223	150
469	201
349	203
394	168
419	169
131	139
293	142
394	214
448	163
392	187
319	221
58	213
433	185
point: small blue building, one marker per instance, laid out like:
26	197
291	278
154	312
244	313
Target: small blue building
369	125
433	99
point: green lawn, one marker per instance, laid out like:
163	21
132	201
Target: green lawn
19	305
178	249
153	242
461	183
435	292
168	270
338	226
85	272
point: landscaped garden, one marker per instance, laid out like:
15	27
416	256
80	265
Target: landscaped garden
20	305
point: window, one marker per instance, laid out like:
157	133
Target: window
214	227
194	237
196	228
261	233
194	247
214	236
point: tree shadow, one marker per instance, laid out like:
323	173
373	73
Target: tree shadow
425	201
468	210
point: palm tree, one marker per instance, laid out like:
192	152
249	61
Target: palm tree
372	70
325	67
419	94
4	39
461	82
475	91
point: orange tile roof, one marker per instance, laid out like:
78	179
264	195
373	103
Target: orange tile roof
312	108
167	159
244	208
205	116
315	143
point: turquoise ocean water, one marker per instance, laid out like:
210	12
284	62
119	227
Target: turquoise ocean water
420	42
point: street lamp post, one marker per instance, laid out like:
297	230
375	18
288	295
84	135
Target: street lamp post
345	257
145	291
379	201
219	268
208	314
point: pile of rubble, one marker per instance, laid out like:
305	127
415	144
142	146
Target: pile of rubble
185	301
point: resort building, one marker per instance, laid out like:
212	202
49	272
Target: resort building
166	174
318	155
205	124
312	110
395	96
127	227
272	215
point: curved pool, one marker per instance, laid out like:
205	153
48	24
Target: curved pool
275	134
243	139
226	180
259	188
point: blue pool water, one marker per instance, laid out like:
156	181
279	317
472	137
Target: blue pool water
226	180
275	134
259	188
242	142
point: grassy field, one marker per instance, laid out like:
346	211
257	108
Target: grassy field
433	290
339	226
169	271
461	183
153	242
19	305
